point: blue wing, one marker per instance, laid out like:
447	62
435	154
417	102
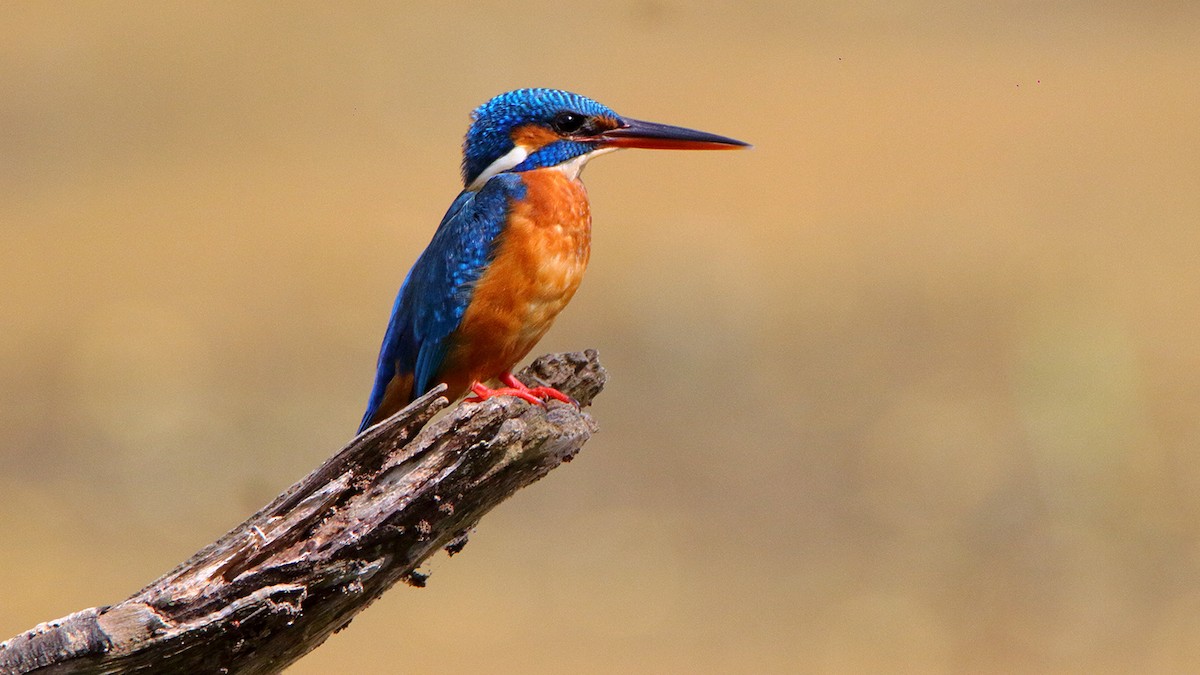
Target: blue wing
438	289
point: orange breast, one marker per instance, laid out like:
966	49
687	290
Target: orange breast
539	263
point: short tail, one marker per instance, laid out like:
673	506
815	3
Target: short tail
387	398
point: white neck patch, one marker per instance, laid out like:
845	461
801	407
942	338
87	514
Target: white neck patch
509	160
518	154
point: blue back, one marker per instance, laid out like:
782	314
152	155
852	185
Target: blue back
438	288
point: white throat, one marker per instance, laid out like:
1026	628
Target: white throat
572	167
518	154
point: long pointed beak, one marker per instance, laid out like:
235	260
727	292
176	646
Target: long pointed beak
654	136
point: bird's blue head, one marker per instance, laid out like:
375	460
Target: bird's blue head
537	128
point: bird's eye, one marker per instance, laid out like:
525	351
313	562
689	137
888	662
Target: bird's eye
567	122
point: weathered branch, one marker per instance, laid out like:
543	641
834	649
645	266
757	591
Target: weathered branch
276	586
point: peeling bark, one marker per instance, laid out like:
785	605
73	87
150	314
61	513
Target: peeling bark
275	587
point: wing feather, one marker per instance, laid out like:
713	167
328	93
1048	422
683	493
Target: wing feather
437	291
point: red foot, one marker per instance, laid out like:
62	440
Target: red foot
542	393
517	388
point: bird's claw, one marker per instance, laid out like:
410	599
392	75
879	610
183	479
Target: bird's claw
517	388
541	393
482	393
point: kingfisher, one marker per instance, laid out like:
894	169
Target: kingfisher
510	252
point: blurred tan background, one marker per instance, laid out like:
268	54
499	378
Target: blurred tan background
912	386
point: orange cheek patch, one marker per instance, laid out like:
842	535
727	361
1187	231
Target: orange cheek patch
532	137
